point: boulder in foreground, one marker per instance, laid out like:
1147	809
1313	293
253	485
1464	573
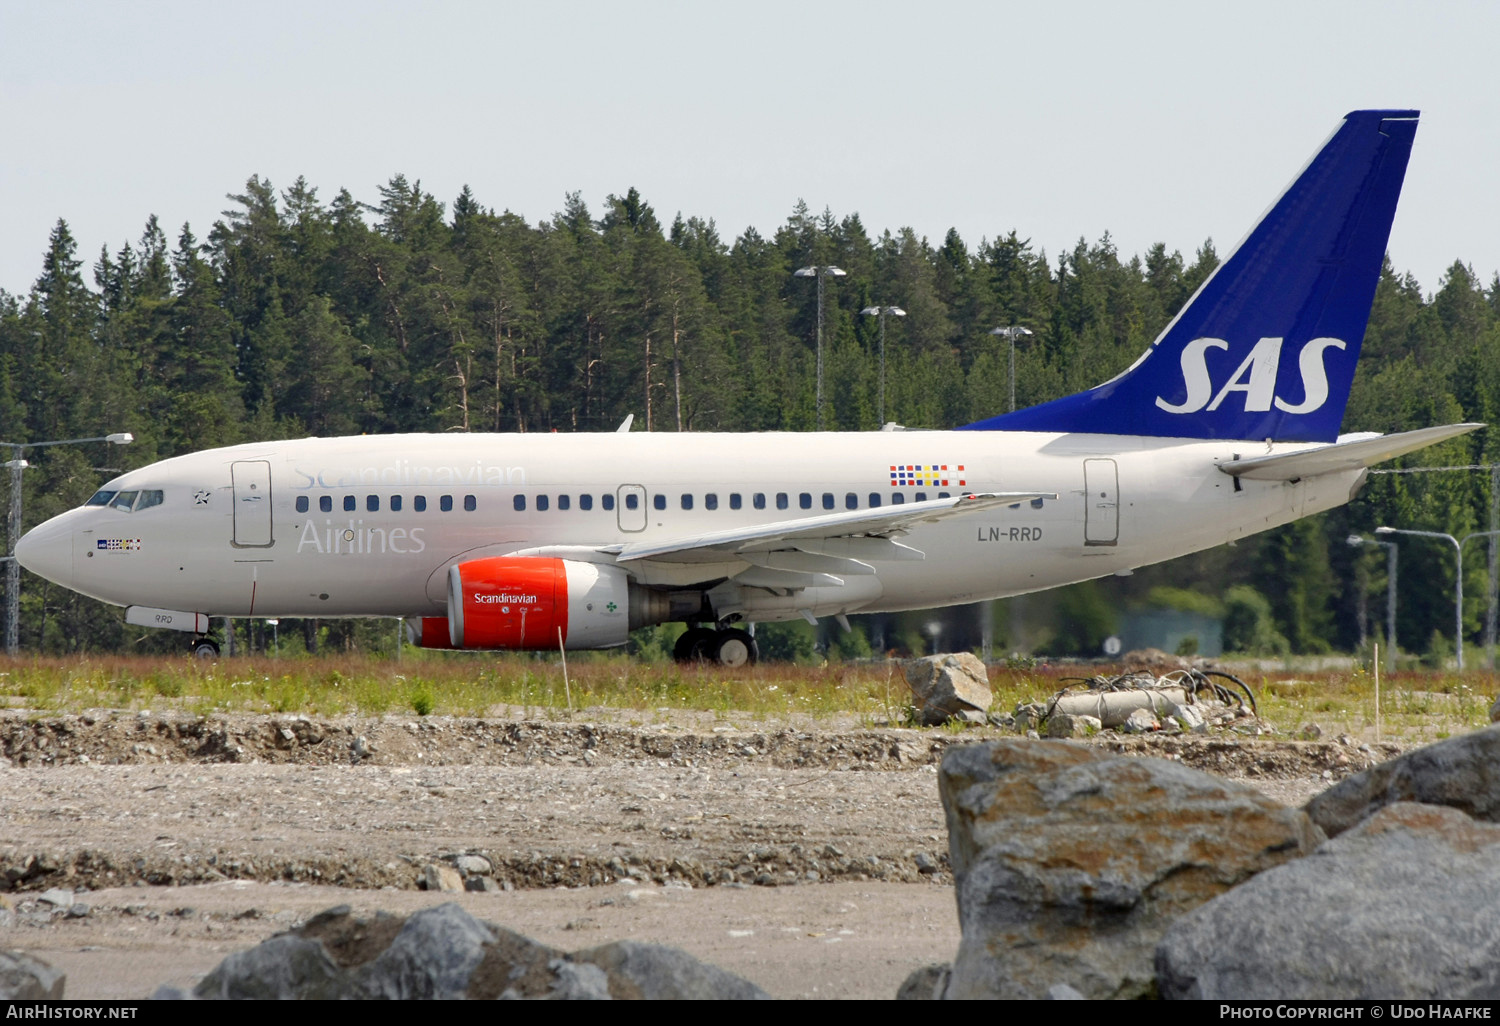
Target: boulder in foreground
1400	907
1070	863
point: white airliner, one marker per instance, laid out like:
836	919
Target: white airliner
1228	425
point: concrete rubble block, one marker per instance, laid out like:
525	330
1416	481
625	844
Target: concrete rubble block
473	865
654	972
1070	863
1140	722
24	977
948	686
437	877
1400	907
1112	708
1066	725
1461	772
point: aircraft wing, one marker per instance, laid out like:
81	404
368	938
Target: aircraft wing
882	522
1341	456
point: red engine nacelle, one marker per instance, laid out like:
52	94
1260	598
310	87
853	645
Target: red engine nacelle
534	602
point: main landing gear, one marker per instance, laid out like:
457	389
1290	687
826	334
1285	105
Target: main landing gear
729	647
204	648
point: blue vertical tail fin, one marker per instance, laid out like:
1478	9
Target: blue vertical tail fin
1266	348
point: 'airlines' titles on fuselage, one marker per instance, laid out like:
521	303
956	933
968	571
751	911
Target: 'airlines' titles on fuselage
1255	376
330	539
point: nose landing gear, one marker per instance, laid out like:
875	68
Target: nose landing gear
730	647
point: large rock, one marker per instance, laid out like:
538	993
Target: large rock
1462	772
445	953
1400	907
1070	863
949	686
24	978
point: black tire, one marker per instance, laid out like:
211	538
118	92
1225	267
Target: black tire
735	648
204	648
697	645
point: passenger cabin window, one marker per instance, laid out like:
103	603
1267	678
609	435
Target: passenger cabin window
805	500
687	501
519	502
759	500
325	503
585	502
711	501
659	501
395	504
781	500
100	499
563	502
874	499
348	504
446	503
608	502
419	503
897	499
541	503
851	501
301	504
372	503
734	500
471	503
828	500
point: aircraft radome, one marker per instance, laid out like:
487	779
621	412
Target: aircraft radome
1226	426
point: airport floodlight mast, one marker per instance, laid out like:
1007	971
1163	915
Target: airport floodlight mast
17	463
1011	333
1390	595
820	271
882	312
1458	586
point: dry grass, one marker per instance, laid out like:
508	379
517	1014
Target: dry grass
1415	706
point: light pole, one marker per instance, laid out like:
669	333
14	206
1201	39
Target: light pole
1390	596
1458	587
13	526
819	271
1011	333
881	312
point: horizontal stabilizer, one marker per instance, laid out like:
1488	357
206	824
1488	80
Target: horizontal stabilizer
1342	456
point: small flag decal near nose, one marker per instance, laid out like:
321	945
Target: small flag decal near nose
119	544
927	475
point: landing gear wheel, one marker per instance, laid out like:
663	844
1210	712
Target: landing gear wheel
736	648
204	648
697	645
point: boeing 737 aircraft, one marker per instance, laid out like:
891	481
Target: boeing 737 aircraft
1226	426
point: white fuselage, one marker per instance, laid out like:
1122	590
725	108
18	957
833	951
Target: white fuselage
368	526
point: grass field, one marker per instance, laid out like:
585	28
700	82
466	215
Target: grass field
1414	705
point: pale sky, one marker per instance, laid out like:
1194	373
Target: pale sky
1151	121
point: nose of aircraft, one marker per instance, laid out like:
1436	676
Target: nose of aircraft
47	550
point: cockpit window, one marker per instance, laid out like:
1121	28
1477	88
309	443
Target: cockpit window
127	501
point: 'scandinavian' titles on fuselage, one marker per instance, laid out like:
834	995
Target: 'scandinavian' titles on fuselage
1227	426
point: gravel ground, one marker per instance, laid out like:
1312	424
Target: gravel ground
810	858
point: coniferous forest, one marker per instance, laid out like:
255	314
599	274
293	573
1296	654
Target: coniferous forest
296	316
